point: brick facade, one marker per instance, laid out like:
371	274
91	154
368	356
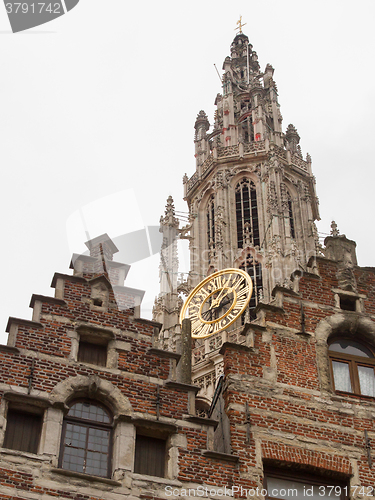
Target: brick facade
282	410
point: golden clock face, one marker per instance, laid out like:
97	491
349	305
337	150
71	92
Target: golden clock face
217	302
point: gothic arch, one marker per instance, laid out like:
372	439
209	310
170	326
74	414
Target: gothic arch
341	324
208	192
244	173
95	388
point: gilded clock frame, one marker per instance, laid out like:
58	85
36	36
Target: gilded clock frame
198	323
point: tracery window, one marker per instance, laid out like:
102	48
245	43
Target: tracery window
254	270
86	439
291	217
210	214
352	367
247	213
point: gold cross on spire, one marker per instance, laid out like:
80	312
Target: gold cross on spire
240	25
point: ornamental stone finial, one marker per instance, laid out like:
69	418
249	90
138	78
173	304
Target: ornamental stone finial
202	121
170	215
334	230
292	137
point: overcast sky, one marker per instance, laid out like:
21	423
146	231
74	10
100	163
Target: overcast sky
98	110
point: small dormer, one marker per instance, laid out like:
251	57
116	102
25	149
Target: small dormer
100	288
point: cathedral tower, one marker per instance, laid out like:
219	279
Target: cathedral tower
252	198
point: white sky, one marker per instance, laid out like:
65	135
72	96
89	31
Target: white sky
104	99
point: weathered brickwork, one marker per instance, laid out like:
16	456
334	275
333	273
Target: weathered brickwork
40	372
283	413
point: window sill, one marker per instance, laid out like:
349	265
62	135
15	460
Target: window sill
25	454
352	395
156	479
220	456
87	477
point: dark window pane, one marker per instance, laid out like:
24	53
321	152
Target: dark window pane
348	303
23	431
291	218
89	411
149	456
92	353
86	446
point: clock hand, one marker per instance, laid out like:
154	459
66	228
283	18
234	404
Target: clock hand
206	314
227	301
219	297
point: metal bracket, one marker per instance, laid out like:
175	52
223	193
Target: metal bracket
247	422
368	449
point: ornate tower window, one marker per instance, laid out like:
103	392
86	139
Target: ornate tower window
210	214
291	217
254	270
247	214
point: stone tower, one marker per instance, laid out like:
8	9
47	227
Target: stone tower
252	205
252	197
168	304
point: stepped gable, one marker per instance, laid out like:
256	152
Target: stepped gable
87	367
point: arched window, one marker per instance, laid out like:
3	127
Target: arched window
211	222
87	439
247	213
254	270
291	217
352	365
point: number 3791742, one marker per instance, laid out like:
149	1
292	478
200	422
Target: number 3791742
33	8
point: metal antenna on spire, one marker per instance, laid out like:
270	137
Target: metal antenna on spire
240	25
218	74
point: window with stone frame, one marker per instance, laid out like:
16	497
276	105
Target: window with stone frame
93	345
95	354
23	430
86	443
150	455
247	213
352	365
210	215
284	484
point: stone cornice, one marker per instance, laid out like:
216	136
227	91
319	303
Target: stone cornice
23	322
235	347
149	322
269	307
66	277
10	349
220	456
202	420
164	354
50	300
171	384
